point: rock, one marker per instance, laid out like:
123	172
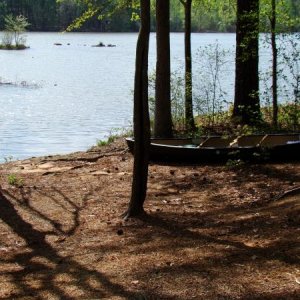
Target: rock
99	45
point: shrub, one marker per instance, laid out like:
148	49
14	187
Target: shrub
13	37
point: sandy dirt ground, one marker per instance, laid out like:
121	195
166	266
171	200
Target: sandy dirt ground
211	232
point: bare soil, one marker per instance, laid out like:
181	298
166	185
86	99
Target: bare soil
211	232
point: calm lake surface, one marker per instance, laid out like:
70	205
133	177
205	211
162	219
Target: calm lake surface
64	98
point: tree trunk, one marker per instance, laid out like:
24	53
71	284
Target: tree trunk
274	64
246	102
141	123
189	116
163	118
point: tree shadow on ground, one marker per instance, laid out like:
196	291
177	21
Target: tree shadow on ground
233	240
49	267
273	172
191	231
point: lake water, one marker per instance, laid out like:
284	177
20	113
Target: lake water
66	97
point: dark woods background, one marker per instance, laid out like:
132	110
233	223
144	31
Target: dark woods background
53	15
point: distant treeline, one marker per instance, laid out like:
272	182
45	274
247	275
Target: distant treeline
53	15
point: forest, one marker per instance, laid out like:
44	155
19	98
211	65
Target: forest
57	15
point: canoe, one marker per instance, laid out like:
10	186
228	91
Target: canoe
217	149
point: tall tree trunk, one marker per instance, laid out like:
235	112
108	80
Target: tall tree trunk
189	116
163	117
141	117
246	101
274	64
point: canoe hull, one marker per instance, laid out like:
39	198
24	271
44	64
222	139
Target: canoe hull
194	154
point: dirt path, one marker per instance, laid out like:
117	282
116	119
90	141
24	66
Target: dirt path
211	232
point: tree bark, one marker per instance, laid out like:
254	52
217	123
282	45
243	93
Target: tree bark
141	117
189	116
246	102
163	117
274	64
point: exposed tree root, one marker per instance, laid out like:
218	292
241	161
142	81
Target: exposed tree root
291	192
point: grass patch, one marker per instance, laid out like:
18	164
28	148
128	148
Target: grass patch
110	140
14	180
115	134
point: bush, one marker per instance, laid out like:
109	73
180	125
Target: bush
13	38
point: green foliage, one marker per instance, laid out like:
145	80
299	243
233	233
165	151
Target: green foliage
13	35
291	59
234	163
12	47
3	12
288	73
108	13
177	99
101	143
114	135
79	21
214	15
16	24
14	180
212	63
289	116
110	140
287	15
123	15
213	108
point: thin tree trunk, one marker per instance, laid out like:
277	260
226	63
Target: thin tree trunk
189	116
274	66
163	117
246	102
141	117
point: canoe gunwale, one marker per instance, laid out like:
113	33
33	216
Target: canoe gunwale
197	154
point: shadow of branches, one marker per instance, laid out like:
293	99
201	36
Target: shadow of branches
51	269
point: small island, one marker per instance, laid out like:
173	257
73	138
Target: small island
13	36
